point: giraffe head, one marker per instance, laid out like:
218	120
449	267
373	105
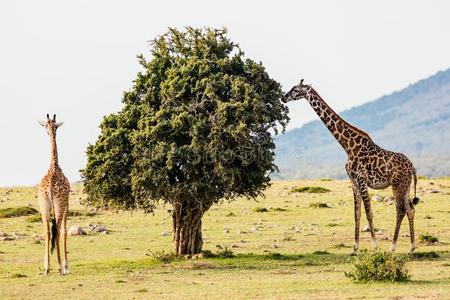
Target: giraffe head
297	92
51	125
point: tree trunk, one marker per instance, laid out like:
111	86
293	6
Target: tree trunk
187	228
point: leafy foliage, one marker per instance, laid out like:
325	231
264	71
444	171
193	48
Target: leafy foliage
428	238
379	266
260	209
11	212
310	189
222	252
164	257
195	125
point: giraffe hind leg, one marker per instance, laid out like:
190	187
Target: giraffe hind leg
45	208
400	215
59	216
410	214
46	222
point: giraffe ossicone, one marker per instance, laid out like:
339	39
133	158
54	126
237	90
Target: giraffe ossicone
53	197
368	166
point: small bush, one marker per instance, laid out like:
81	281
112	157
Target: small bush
319	205
34	218
379	266
260	209
320	252
223	252
425	255
310	189
207	254
326	179
17	211
422	177
230	214
164	257
428	238
279	209
76	213
18	275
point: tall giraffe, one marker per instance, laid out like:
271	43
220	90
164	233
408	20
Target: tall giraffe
53	198
368	166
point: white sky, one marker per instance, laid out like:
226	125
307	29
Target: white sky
75	58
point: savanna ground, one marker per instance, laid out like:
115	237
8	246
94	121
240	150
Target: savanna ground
290	251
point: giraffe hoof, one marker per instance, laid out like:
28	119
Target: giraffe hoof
45	273
392	248
353	253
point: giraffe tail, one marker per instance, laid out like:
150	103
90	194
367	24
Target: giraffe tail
54	232
415	200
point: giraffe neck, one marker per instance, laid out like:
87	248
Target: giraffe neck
350	137
54	152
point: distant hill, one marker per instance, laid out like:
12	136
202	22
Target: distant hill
414	121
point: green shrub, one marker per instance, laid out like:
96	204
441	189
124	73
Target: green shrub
326	179
425	255
222	252
279	209
164	257
17	275
310	189
379	266
320	252
260	209
230	214
428	238
34	218
17	211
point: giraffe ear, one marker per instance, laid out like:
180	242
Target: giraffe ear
58	124
43	123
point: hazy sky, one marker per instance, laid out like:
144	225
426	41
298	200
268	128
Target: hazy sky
76	58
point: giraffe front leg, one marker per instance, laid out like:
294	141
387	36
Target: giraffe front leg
364	194
369	216
357	202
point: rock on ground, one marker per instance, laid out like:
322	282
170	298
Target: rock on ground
76	230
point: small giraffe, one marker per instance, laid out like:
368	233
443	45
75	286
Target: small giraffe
368	166
53	198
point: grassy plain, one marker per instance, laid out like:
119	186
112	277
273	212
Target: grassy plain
295	249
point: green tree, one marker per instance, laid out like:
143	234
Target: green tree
196	128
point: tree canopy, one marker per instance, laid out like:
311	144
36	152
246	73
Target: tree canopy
196	127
